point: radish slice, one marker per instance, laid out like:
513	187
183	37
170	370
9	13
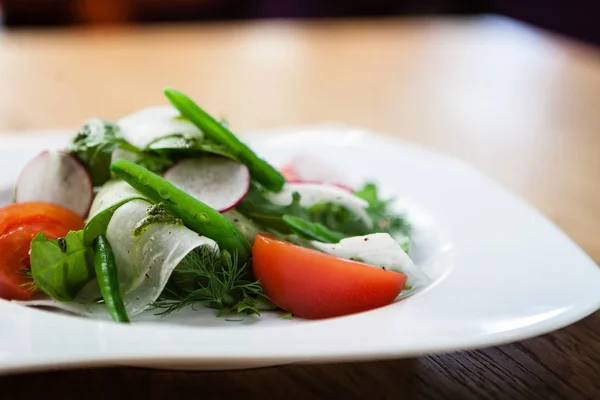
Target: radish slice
150	124
310	168
219	182
313	193
56	177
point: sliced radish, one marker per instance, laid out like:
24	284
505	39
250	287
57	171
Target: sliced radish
219	182
56	177
312	193
311	168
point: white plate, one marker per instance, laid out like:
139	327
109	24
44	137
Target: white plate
501	272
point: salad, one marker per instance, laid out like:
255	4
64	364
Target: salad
166	209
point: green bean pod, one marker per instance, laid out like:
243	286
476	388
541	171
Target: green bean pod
260	170
196	215
108	279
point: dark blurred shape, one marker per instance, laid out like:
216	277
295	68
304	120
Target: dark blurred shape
571	17
36	12
59	12
577	18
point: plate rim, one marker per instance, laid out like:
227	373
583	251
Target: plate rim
281	358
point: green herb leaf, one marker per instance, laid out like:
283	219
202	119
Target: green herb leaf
219	282
338	219
259	209
60	268
405	244
157	213
312	230
93	146
384	219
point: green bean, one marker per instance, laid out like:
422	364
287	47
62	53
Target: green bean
107	274
260	170
196	215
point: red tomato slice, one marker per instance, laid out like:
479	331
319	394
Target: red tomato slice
19	223
311	284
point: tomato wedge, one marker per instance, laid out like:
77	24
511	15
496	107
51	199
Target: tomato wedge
314	285
19	223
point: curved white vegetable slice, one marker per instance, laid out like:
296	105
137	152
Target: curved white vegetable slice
145	262
150	124
313	193
308	167
111	196
56	177
120	153
377	249
216	181
112	193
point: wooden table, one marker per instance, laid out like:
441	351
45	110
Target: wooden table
519	104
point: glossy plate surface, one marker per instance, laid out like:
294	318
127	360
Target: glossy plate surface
501	272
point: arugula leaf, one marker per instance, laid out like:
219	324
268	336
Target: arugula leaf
93	146
61	267
379	210
262	211
325	222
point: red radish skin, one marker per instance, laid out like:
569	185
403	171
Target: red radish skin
56	177
288	172
340	185
219	182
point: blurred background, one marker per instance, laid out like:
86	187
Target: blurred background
576	18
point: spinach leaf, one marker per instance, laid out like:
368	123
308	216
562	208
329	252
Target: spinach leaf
93	146
60	268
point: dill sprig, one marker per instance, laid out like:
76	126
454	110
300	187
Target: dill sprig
31	286
216	281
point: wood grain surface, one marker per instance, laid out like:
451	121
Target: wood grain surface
519	104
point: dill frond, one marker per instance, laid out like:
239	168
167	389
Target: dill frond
219	281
